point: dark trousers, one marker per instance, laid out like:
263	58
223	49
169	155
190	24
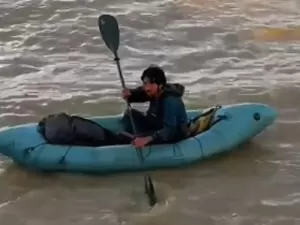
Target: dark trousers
144	124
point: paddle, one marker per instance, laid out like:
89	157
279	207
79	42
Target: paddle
109	30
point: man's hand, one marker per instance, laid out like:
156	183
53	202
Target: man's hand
140	142
126	93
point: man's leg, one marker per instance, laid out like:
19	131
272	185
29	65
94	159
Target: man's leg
140	121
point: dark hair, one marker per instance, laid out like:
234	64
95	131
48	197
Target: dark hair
155	74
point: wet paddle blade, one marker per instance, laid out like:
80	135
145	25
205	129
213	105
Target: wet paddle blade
109	30
146	185
151	192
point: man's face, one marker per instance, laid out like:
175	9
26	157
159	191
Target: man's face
151	89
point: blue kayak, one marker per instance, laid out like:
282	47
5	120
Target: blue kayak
239	123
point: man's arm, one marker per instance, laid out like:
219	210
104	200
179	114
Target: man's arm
137	95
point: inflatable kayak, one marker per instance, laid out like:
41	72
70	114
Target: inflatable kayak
236	124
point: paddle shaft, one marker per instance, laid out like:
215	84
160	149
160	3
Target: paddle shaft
109	29
149	190
117	59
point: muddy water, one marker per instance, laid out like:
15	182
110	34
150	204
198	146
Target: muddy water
53	59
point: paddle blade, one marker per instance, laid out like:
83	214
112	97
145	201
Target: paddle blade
150	191
109	30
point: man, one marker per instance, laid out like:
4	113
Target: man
166	120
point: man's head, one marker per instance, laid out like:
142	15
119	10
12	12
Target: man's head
154	80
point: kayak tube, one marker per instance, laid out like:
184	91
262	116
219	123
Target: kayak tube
238	123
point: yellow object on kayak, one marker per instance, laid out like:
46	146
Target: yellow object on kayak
203	122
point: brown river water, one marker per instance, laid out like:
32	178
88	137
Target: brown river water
224	51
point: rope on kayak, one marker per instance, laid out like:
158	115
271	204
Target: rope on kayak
219	118
26	151
200	145
63	158
148	154
174	151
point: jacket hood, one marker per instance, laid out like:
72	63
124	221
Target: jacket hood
174	89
